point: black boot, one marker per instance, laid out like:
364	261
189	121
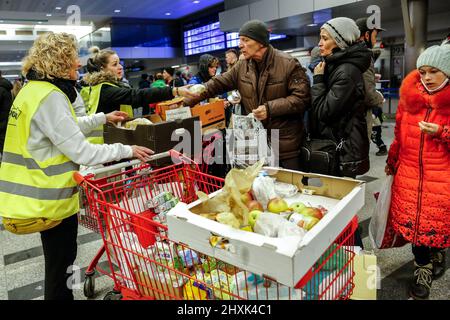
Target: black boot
382	151
423	278
438	260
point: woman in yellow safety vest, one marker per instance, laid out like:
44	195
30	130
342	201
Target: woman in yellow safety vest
45	144
103	90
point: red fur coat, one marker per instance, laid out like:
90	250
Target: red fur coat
420	208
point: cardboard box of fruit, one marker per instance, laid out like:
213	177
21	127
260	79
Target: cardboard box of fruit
321	210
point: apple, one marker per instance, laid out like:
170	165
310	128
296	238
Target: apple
312	212
277	205
310	223
298	206
253	216
246	197
305	222
254	205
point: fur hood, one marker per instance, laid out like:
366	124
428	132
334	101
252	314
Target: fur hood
95	78
414	97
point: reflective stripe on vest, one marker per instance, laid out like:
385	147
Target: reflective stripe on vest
30	188
91	98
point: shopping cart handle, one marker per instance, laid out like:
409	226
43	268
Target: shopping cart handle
79	176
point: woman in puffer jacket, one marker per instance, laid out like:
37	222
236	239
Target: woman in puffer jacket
420	160
338	111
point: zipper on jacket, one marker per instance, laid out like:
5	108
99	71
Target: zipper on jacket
421	174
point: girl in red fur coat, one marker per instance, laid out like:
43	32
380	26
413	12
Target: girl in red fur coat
420	160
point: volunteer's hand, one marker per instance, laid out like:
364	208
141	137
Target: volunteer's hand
260	113
429	128
116	116
142	153
319	69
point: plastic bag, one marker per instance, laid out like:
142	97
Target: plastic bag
237	182
377	226
264	189
288	229
268	224
285	190
381	234
132	125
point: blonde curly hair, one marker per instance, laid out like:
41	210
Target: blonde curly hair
51	56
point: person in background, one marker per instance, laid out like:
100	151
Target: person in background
315	60
6	99
171	81
231	57
159	82
17	86
144	82
419	159
207	69
44	146
374	100
179	75
105	92
273	86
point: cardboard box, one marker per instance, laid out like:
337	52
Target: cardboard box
178	114
285	260
162	107
157	137
212	115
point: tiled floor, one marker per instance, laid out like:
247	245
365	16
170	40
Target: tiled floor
22	264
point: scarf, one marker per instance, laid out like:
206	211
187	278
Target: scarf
65	85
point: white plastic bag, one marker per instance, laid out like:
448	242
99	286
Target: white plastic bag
268	224
289	229
285	190
264	190
378	223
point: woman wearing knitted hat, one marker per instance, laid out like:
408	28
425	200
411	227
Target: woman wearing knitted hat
419	158
338	111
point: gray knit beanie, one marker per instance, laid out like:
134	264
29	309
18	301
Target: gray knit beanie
343	30
256	30
437	57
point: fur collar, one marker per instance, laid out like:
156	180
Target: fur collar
414	96
96	78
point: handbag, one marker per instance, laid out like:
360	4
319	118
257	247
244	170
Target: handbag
319	156
381	233
27	226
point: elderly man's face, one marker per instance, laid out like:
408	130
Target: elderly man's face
249	47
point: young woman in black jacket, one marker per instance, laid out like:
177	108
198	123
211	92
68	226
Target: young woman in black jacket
338	111
105	74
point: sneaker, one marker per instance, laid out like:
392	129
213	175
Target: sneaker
382	152
438	261
423	278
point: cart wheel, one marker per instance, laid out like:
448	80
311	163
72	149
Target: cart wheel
113	295
89	286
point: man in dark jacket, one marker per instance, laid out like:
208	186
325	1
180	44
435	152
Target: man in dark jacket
273	86
5	106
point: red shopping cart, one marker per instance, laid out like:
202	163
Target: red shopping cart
145	264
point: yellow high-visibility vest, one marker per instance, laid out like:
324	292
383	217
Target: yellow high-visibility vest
30	188
91	98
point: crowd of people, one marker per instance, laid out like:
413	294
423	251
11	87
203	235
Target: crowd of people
57	128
